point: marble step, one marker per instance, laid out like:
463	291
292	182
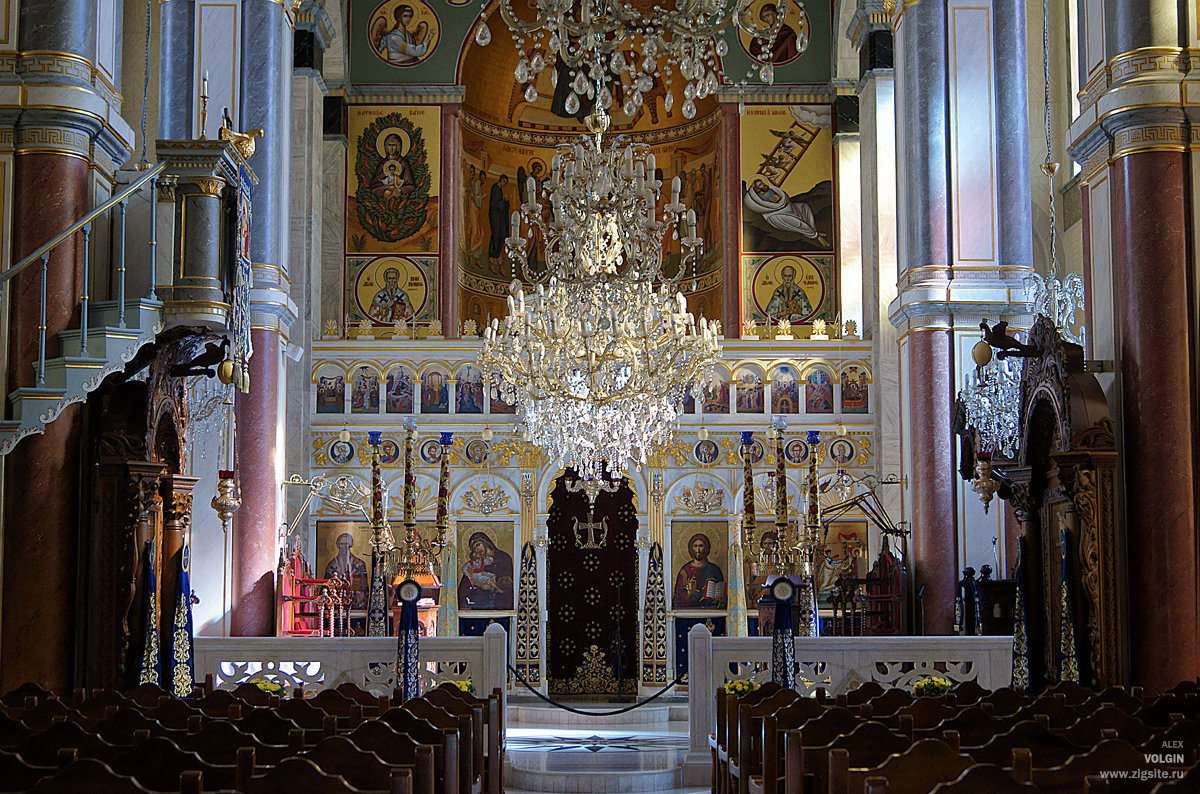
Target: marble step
539	713
551	759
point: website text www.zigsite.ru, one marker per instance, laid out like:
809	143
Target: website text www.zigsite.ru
1168	764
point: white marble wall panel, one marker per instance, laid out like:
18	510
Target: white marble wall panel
1101	296
976	529
1093	37
9	21
850	253
211	548
972	133
219	53
877	121
333	229
106	39
308	188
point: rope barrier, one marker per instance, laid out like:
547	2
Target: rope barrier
574	710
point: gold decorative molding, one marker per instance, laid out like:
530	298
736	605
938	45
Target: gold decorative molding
553	137
1096	164
31	140
1150	138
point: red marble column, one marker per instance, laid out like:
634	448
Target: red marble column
42	475
1158	384
449	208
932	477
255	521
731	216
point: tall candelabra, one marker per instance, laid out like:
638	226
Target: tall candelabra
417	555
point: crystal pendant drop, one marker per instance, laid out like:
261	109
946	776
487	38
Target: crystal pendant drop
630	108
669	101
689	109
522	71
606	98
767	73
554	42
483	35
580	84
537	63
618	62
572	103
722	48
531	93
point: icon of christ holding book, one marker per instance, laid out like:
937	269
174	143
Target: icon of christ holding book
700	583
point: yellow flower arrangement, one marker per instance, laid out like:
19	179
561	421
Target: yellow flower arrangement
270	687
740	688
465	686
933	686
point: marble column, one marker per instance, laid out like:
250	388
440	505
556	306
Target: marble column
266	99
1135	138
731	224
449	197
1153	275
258	447
1014	178
55	144
175	63
932	477
924	262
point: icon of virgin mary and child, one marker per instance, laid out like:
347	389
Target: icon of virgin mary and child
487	577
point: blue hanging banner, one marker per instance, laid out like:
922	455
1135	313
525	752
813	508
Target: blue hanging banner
783	638
243	280
408	677
181	665
149	671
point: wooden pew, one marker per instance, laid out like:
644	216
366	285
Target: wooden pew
915	771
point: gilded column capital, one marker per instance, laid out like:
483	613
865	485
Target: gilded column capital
209	187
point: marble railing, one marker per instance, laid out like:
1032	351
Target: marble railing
835	663
368	662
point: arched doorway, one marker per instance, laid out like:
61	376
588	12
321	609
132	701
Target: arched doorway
591	593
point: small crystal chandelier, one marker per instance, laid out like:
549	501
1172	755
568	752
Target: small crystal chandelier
992	400
598	40
598	360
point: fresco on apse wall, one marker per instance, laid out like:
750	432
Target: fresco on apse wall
331	395
399	396
841	451
855	391
364	392
818	391
468	391
699	560
785	391
387	290
846	541
495	176
392	179
787	179
435	391
750	393
485	576
716	400
403	33
789	44
793	287
420	47
344	549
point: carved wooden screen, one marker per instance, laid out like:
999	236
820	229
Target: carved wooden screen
591	593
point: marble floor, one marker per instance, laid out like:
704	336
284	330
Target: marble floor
550	750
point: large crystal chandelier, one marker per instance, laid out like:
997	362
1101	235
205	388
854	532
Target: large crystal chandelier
598	359
599	40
